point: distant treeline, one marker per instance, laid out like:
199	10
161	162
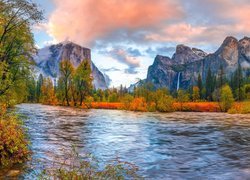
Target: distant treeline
74	88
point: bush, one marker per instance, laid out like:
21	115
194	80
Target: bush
165	104
240	108
138	104
86	167
151	107
226	98
126	100
13	141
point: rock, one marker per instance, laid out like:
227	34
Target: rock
48	59
189	63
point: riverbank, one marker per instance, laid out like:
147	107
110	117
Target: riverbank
237	108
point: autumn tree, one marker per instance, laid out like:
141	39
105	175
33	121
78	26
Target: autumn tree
196	94
182	97
226	98
48	92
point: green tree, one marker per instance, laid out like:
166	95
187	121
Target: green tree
200	85
31	88
38	88
16	43
247	91
209	85
237	84
83	81
66	73
226	98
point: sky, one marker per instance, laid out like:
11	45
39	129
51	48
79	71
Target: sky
126	35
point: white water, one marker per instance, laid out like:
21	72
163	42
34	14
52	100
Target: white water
178	82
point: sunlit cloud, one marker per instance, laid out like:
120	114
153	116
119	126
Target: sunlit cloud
85	21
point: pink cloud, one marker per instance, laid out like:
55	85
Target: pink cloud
84	21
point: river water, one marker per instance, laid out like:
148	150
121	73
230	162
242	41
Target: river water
163	146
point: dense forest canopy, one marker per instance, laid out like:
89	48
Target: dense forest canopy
16	47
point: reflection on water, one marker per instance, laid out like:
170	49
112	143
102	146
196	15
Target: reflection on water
176	145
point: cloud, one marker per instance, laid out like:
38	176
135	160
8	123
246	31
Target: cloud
122	56
85	21
110	69
131	71
162	50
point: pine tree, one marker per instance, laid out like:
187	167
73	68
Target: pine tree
200	86
209	85
38	88
237	83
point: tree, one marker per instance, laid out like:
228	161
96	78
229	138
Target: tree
48	92
209	85
16	42
237	83
200	86
182	97
226	98
247	91
31	88
83	81
221	78
38	88
66	72
165	104
196	94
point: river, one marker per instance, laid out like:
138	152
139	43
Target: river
177	145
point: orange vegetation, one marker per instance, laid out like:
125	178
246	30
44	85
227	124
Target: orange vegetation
106	105
197	107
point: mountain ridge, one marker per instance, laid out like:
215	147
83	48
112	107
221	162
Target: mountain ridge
187	63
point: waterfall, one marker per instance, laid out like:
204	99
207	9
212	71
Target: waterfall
178	81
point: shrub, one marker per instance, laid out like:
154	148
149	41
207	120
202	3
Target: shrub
151	107
13	141
226	98
126	100
165	104
86	167
240	108
196	94
138	104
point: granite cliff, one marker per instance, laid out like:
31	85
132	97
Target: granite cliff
48	59
182	70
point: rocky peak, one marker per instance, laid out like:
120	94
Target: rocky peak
245	47
185	54
229	50
199	52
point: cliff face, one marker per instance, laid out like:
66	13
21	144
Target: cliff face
49	58
182	70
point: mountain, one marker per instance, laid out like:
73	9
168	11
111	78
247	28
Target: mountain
182	70
48	59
